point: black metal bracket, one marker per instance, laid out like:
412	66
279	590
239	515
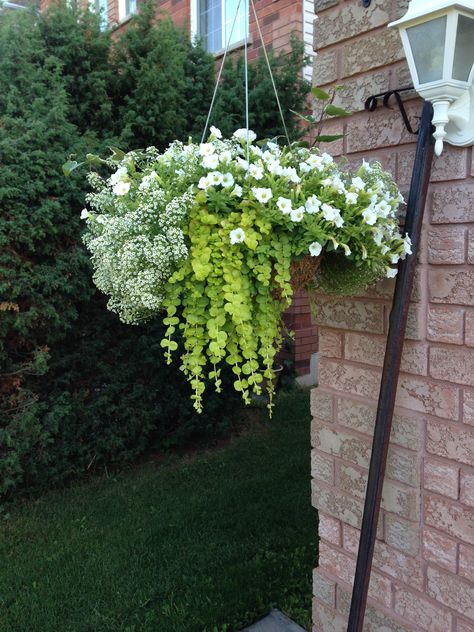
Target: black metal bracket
372	103
366	3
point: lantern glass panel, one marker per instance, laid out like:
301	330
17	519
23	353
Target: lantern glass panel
427	42
464	51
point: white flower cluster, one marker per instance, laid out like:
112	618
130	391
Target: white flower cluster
137	218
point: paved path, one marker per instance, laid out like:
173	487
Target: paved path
276	621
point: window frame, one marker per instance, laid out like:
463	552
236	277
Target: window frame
195	34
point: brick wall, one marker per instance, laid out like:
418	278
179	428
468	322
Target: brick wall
423	574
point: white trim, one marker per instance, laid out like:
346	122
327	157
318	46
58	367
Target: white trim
122	10
193	21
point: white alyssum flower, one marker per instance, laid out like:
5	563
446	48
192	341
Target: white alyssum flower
121	188
263	195
315	249
391	273
256	171
243	134
84	213
215	131
237	236
312	204
206	149
284	204
227	180
148	180
211	161
237	191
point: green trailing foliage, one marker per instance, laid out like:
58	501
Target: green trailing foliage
78	389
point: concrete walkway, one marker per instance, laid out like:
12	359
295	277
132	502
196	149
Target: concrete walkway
276	621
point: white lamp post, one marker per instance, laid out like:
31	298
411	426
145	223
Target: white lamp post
438	38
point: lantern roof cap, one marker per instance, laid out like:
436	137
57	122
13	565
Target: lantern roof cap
423	8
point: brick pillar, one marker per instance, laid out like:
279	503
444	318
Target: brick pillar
423	573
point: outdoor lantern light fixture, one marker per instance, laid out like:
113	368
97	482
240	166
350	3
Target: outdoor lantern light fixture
438	38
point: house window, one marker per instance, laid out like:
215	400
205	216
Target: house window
100	7
215	19
126	8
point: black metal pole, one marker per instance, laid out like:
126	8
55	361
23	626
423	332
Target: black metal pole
391	368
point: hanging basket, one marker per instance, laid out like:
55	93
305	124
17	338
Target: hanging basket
303	272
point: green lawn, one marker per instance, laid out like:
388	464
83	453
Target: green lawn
202	543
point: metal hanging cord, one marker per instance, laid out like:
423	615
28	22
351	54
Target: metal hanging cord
277	98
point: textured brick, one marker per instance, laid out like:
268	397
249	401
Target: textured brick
355	92
423	396
406	430
325	619
347	20
338	564
469	329
446	245
468	407
451	591
349	379
421	611
321	5
375	620
445	324
439	549
403	466
343	313
330	343
337	504
452	365
452	204
464	626
451	286
325	67
345	445
371	350
324	589
466	562
388	560
451	165
452	441
470	247
402	534
321	404
329	529
452	518
403	501
467	488
372	51
441	478
322	466
386	129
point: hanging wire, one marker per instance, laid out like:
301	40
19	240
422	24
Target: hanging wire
246	64
220	73
270	71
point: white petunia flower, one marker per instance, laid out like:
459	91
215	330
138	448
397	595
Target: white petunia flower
312	204
275	168
370	216
351	198
327	159
84	213
204	183
394	259
242	135
347	250
243	164
215	131
297	214
215	178
315	249
121	188
358	183
304	167
210	162
267	156
366	166
206	149
329	212
237	191
227	180
225	157
284	204
378	236
256	172
119	175
407	245
384	208
391	273
290	172
315	162
237	236
263	195
256	151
